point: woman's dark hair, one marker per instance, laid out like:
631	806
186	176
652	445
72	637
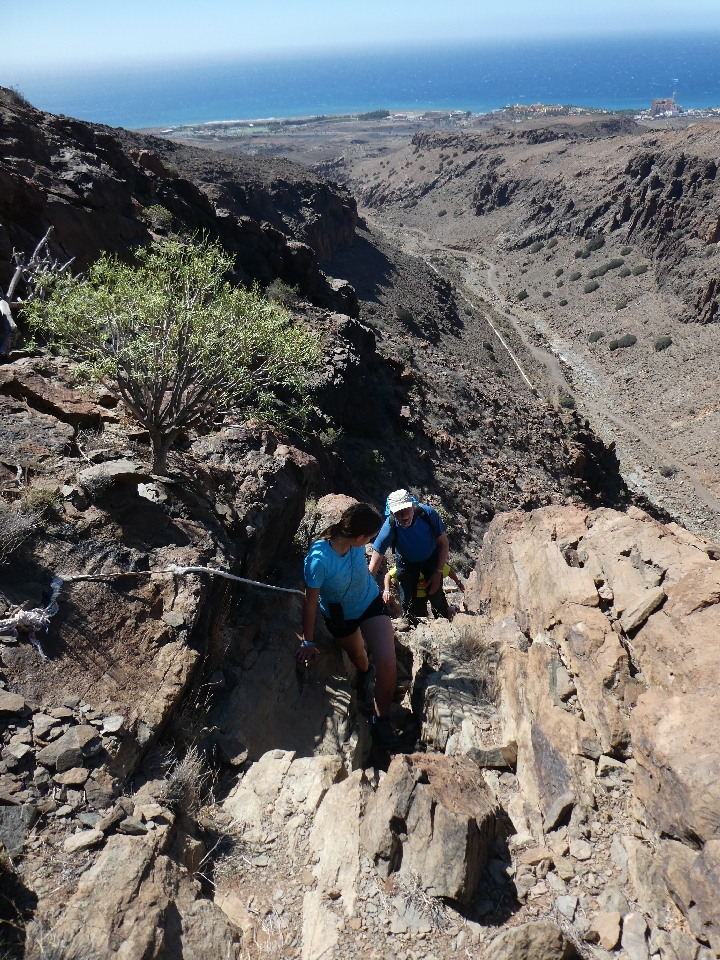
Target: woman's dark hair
359	520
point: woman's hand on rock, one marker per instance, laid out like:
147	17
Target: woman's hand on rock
307	654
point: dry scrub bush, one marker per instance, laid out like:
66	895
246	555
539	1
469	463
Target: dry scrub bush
471	648
16	525
183	787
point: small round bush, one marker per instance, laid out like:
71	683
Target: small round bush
625	272
626	251
621	303
442	213
709	251
591	287
535	247
575	275
667	471
567	402
626	340
579	254
596	244
551	243
523	295
595	336
559	272
615	263
662	343
546	294
563	303
639	270
404	315
614	344
560	283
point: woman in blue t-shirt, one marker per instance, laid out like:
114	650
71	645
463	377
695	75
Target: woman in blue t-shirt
338	580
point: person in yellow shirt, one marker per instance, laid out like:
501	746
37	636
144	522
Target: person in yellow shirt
419	608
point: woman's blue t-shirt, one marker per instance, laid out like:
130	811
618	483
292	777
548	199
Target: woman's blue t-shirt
344	580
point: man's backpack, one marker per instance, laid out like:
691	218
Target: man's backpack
419	512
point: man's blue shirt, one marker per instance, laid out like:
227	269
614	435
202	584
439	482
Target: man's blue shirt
415	543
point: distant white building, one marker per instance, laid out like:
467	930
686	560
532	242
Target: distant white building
665	107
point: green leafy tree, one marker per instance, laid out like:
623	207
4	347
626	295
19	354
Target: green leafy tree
171	338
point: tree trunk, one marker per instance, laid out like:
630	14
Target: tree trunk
160	449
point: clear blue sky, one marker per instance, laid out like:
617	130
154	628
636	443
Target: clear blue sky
76	32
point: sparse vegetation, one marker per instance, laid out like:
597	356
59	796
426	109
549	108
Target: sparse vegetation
560	283
639	270
175	342
667	471
523	295
625	272
536	247
158	217
627	340
595	336
662	343
374	115
575	275
551	243
621	303
41	502
16	525
615	263
560	271
563	303
567	402
596	244
280	292
626	251
442	213
183	787
404	315
546	294
591	287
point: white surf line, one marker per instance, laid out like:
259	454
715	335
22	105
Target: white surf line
492	327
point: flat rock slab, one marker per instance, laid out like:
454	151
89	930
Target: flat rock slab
433	816
83	840
10	703
123	471
541	940
15	823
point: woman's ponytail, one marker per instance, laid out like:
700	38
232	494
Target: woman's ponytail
359	520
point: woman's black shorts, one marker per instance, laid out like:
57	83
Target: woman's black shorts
347	627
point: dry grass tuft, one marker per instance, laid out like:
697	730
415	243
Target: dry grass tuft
16	525
183	787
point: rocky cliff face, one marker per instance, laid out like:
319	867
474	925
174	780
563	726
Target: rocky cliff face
94	186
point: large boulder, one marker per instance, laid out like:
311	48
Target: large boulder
541	940
433	817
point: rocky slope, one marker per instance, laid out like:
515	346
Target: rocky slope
164	769
105	189
599	247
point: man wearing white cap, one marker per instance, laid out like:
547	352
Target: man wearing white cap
417	534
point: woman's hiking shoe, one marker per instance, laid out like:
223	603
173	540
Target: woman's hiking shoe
383	734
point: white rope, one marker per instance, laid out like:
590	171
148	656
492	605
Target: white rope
177	571
28	621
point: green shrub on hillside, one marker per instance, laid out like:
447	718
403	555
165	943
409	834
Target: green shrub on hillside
710	250
591	287
546	294
404	315
559	272
625	272
662	343
667	471
551	243
615	263
536	247
174	341
280	292
158	217
582	254
567	402
626	251
595	336
374	115
560	283
563	303
596	244
523	295
627	340
575	275
442	213
639	270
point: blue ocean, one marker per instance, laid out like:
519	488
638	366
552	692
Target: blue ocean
611	73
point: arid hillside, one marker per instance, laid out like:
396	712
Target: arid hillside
598	243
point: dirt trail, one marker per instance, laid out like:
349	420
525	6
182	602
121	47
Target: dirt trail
604	421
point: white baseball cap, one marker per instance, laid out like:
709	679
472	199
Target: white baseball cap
399	500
